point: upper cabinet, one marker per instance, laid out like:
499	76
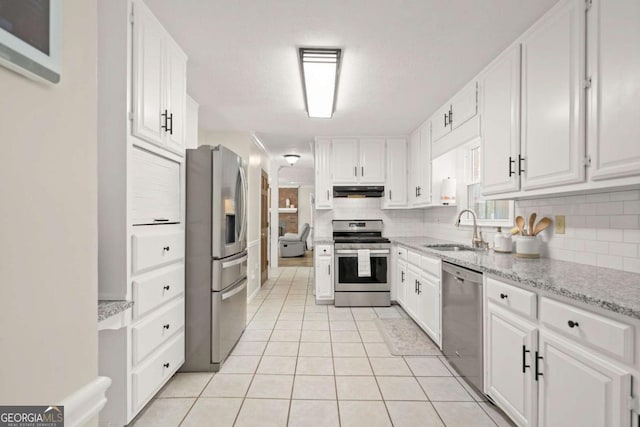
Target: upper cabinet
396	181
553	78
358	161
500	130
614	70
159	83
420	167
324	185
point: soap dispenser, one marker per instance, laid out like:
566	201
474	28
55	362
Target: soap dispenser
502	241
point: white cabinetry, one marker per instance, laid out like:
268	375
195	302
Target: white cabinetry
566	366
553	93
324	174
159	83
500	130
141	191
324	273
396	181
358	161
613	67
417	283
420	166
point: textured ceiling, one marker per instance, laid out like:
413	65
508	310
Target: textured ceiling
402	59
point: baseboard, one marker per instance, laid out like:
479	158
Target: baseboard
253	294
86	403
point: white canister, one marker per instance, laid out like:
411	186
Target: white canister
502	242
528	247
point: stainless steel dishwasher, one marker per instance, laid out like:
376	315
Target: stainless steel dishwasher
462	322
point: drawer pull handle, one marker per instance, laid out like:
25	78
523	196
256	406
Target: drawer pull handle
166	287
166	249
504	296
573	324
166	365
167	326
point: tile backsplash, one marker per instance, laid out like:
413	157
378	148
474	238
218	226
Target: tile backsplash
601	229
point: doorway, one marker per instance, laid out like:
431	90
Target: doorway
264	227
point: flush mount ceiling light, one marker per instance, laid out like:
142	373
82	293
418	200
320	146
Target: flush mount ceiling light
291	158
320	70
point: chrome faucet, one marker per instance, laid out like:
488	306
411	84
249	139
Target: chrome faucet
476	242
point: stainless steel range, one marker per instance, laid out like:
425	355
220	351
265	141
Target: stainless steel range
362	264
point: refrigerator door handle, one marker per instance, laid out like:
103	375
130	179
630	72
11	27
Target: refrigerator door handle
234	291
234	262
244	204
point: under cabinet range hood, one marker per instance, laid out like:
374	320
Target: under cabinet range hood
358	191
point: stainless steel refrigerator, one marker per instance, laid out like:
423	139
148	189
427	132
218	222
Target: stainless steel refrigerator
216	256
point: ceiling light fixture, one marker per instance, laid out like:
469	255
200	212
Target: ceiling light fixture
291	158
320	71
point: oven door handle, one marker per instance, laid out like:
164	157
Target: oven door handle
372	251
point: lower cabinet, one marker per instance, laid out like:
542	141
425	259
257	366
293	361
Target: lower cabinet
417	284
542	378
324	273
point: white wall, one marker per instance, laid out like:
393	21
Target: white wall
48	255
304	210
257	160
601	229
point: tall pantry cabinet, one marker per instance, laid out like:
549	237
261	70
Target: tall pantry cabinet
141	189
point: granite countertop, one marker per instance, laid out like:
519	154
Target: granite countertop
323	242
109	308
612	290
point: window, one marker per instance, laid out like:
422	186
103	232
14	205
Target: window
489	212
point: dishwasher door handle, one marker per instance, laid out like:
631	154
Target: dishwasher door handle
459	279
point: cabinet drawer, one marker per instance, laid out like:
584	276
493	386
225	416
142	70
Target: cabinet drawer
415	258
324	250
152	375
150	333
431	265
402	252
607	335
153	290
151	250
155	188
521	301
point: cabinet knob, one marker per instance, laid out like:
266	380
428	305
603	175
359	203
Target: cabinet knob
166	365
166	248
167	326
572	324
166	287
324	250
504	296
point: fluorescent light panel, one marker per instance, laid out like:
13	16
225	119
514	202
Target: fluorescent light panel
320	70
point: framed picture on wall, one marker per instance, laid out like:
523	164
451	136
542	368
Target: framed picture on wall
30	38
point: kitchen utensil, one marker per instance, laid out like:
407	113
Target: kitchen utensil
520	224
532	220
514	231
544	223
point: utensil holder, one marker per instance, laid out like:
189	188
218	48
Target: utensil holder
527	247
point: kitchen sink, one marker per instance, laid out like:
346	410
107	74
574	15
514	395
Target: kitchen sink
450	247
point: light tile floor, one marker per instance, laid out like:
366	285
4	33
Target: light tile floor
302	364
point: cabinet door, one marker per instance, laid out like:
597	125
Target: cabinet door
324	275
553	70
411	291
614	67
324	190
176	96
148	63
500	123
510	346
429	312
415	174
424	188
372	161
464	105
345	161
402	281
578	388
441	122
396	182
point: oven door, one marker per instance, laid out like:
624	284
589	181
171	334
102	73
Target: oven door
347	279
